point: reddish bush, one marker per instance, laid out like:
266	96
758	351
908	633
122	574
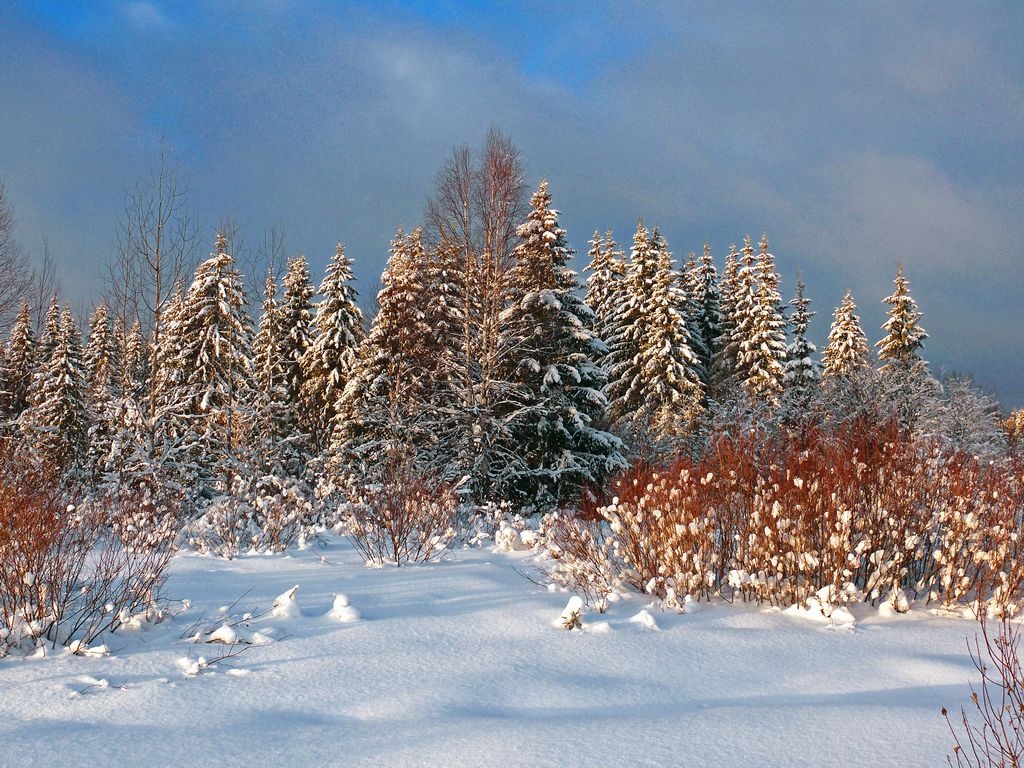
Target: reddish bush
407	517
861	512
62	576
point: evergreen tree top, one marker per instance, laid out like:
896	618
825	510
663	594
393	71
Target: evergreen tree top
904	335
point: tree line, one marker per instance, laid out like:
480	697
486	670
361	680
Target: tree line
487	365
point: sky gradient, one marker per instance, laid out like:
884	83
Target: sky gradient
858	135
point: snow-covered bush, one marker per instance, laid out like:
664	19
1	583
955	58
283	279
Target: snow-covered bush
860	512
268	515
63	577
407	517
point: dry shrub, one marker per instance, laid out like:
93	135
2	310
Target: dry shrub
860	512
62	577
269	515
995	734
406	518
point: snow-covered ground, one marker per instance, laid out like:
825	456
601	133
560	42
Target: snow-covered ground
459	663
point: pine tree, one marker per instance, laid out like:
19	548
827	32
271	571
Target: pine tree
904	335
214	346
338	331
555	446
18	367
801	371
296	329
55	424
847	350
762	332
690	307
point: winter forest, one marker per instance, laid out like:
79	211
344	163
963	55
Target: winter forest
647	421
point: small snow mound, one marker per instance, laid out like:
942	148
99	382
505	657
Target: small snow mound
285	605
79	648
571	616
898	601
600	628
342	611
224	634
645	619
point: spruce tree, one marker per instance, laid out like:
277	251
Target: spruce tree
213	341
801	376
762	334
56	422
707	303
744	318
555	447
101	366
338	331
377	423
295	320
625	389
725	364
18	367
102	377
604	287
273	407
670	371
847	350
904	335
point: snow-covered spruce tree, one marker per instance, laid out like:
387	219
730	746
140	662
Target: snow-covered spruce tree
18	367
338	331
625	388
55	424
725	363
556	400
295	318
49	335
801	376
214	357
690	307
669	369
448	379
763	341
604	288
707	302
134	358
273	413
167	380
904	377
904	335
377	423
847	349
102	370
744	318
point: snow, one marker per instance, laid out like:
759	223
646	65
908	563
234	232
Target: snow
458	663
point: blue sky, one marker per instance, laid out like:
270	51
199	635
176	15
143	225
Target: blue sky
858	135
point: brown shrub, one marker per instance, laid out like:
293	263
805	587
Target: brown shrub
861	512
407	517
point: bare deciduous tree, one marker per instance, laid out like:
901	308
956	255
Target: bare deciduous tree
475	209
15	275
156	246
